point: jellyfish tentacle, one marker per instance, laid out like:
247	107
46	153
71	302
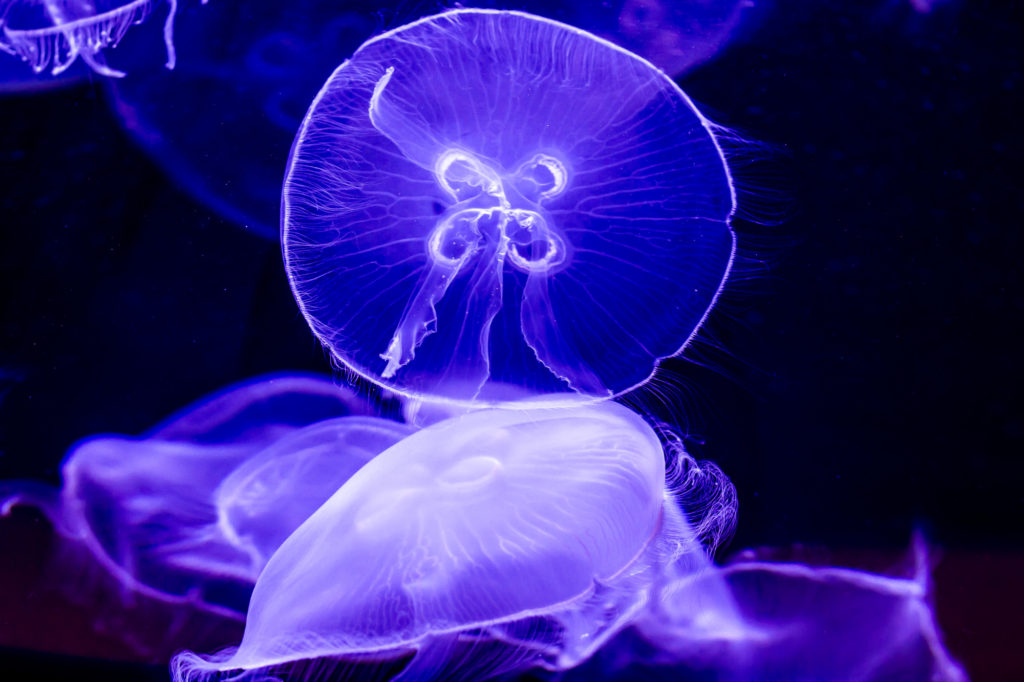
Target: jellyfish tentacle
70	29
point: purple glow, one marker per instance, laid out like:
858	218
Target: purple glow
258	65
540	529
488	196
52	34
677	35
791	621
192	510
482	208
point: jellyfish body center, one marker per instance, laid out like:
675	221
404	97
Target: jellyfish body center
471	473
497	218
498	213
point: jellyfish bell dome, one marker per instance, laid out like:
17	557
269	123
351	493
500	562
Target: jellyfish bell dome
472	524
488	196
192	510
271	494
260	410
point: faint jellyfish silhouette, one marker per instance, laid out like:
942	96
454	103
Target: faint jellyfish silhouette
791	621
677	36
268	496
260	410
191	511
52	34
674	35
538	530
515	200
222	122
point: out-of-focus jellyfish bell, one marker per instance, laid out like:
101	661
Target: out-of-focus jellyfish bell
192	510
539	529
52	34
488	196
678	35
222	122
789	621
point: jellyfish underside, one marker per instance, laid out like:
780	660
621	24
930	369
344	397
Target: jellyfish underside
52	34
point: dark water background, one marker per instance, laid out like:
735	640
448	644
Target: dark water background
871	379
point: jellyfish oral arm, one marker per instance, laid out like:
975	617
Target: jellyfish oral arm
495	218
420	317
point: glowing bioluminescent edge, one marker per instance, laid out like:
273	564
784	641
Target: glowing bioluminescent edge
574	398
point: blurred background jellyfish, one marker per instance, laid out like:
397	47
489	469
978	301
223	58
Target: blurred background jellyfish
534	531
678	36
790	621
53	34
223	121
488	196
191	511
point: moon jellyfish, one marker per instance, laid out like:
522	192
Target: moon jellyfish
538	529
488	196
192	511
52	34
791	621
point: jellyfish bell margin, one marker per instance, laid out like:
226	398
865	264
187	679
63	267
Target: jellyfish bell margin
491	197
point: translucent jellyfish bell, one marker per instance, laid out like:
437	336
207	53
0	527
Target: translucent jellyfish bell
473	526
793	621
488	196
192	511
52	34
269	495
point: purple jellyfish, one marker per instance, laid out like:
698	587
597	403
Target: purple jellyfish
488	196
789	621
538	529
191	511
52	34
